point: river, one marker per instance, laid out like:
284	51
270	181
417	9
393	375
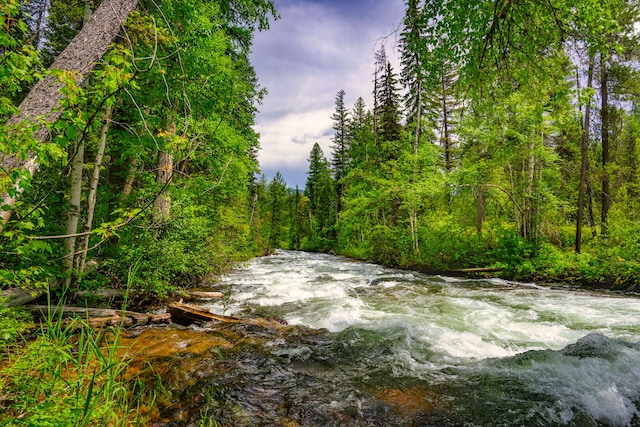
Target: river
378	346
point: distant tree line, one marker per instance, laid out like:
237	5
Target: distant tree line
509	139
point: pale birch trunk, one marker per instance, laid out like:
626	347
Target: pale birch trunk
73	214
93	191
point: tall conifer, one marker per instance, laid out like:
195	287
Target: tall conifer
340	147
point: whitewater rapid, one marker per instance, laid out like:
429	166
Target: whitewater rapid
578	349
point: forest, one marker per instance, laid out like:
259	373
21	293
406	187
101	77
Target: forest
507	144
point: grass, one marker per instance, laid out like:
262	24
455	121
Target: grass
69	374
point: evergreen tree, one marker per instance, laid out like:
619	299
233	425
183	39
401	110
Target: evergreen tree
380	62
340	148
64	20
444	110
412	46
361	138
317	166
389	110
319	189
277	203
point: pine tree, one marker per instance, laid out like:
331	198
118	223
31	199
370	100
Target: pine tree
413	71
340	148
277	201
389	108
64	20
361	138
317	164
444	110
380	62
319	189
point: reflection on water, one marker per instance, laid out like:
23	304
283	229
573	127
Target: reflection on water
376	346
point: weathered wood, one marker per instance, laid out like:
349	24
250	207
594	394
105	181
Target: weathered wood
100	322
478	270
106	293
185	314
18	296
102	316
205	295
67	311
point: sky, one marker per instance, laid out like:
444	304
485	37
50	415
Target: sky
315	49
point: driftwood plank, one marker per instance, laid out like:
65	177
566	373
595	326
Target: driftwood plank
185	314
206	295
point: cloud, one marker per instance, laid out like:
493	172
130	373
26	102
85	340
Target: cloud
317	48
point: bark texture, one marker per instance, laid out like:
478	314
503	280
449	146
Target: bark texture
43	100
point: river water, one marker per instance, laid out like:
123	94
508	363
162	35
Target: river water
379	346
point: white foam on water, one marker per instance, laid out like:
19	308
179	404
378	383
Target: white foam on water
450	322
602	380
463	320
462	347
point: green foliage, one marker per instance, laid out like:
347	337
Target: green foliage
71	375
179	255
13	323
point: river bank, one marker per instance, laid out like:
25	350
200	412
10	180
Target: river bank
548	265
371	345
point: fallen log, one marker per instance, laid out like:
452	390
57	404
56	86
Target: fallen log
106	293
479	270
18	296
204	295
185	314
101	316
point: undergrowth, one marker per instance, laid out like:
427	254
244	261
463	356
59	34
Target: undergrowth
69	374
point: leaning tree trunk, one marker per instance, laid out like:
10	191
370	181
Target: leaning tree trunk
41	104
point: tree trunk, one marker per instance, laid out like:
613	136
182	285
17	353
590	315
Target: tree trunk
74	206
414	230
416	136
75	191
93	191
529	199
479	209
162	202
604	114
584	151
518	212
445	123
185	314
131	177
43	100
164	173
